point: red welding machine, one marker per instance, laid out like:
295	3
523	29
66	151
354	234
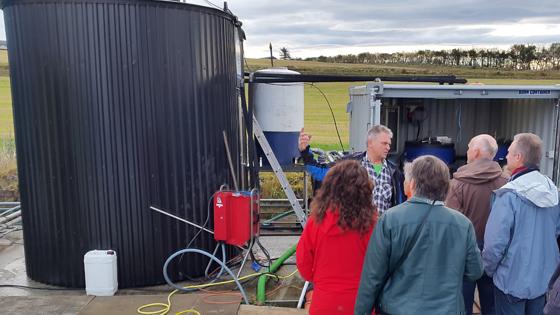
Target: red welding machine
235	215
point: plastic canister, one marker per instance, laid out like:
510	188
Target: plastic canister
101	272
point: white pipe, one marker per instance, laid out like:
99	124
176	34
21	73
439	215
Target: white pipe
10	223
10	203
10	217
302	296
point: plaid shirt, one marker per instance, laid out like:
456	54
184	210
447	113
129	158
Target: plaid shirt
382	192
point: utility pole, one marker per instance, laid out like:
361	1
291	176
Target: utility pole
271	58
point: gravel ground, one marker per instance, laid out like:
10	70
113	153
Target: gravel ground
277	246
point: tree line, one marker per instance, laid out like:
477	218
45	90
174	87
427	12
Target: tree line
517	57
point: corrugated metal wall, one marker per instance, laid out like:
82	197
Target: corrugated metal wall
500	117
119	105
535	116
460	119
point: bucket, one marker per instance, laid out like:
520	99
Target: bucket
445	152
101	272
503	146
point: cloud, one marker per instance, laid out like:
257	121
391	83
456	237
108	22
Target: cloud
310	28
328	27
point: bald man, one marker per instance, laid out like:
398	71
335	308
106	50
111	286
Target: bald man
470	193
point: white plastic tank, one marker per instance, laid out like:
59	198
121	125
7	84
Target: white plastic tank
279	110
101	272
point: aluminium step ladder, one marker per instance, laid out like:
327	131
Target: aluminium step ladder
302	218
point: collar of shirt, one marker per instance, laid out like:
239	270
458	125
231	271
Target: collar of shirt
415	198
367	163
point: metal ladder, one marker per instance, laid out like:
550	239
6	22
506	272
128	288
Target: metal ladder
302	218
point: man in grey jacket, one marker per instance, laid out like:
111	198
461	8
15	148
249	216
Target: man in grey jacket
471	189
520	250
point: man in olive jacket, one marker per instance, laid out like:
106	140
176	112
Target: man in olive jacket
429	280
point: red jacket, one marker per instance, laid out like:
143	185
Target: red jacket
333	262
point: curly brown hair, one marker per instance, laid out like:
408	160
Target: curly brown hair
348	189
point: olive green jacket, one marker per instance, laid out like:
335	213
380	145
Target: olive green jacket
430	279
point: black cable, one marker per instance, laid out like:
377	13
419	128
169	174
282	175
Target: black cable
332	113
196	235
235	263
256	260
265	252
247	65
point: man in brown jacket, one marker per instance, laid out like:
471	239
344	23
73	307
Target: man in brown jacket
470	193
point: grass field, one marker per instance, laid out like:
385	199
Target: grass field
318	119
6	115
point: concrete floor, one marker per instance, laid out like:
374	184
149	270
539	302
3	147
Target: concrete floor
126	301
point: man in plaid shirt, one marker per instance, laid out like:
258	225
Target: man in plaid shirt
388	179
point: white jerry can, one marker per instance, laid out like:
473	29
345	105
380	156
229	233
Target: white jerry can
101	272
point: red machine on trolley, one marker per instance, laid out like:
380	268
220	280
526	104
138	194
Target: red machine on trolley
236	217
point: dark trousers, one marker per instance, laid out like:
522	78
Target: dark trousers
485	294
507	304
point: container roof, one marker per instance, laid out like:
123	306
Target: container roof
459	91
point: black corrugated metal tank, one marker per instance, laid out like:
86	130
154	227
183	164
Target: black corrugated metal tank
119	105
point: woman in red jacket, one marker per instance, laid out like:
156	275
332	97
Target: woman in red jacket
330	253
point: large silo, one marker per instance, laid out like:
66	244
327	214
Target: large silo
119	105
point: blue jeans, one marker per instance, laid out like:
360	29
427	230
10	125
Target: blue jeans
485	295
507	304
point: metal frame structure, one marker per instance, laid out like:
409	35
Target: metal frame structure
377	91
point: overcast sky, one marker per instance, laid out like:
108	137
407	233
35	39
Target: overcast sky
330	27
309	28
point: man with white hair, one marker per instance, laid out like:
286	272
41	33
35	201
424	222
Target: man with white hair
520	249
386	176
470	194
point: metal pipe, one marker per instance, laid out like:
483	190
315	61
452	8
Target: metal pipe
10	217
285	214
12	210
281	78
10	203
230	162
9	223
556	146
181	219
